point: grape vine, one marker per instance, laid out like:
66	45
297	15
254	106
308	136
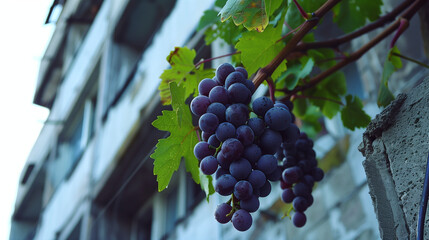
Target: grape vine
247	145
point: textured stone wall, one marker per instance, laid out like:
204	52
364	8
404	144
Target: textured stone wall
396	146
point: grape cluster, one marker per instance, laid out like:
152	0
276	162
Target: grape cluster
299	175
244	153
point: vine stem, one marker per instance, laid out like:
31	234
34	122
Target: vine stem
356	55
320	98
266	71
410	59
334	43
213	58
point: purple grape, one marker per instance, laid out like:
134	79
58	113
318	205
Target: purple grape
223	71
222	210
310	200
224	185
278	118
300	204
240	169
292	175
317	174
261	105
221	171
223	161
208	165
288	195
270	141
251	204
245	135
257	125
276	175
206	85
202	150
237	114
217	109
305	166
213	141
282	105
249	84
284	185
267	164
239	93
308	180
257	179
199	105
241	220
265	189
205	136
232	148
301	189
235	77
224	131
218	94
291	134
299	219
208	122
243	71
252	153
243	190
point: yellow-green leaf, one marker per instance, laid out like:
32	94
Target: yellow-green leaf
259	48
182	72
253	14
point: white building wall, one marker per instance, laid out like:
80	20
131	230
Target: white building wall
67	199
175	31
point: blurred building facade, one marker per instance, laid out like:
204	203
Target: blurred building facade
89	175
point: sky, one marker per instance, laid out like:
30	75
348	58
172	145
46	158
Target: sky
23	40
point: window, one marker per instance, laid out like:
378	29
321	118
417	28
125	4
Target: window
145	225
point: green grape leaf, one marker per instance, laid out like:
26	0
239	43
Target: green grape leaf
272	6
182	72
224	30
327	94
350	15
294	17
309	115
294	73
209	18
391	64
353	115
206	182
220	3
259	48
253	14
180	144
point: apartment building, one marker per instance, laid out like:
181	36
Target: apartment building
89	174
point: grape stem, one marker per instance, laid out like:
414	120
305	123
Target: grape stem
213	58
410	59
320	98
271	88
301	10
197	130
403	25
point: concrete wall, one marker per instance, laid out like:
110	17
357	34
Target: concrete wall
396	147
